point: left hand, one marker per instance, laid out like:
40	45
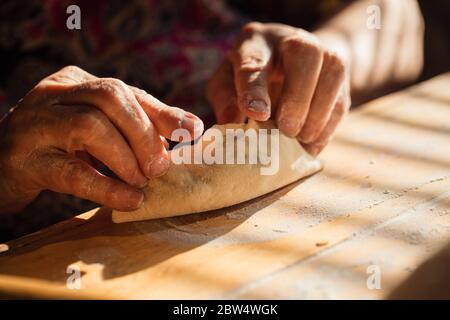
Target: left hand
288	71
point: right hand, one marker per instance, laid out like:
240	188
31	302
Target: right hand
73	113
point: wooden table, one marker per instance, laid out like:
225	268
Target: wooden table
380	207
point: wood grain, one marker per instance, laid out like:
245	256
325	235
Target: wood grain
382	200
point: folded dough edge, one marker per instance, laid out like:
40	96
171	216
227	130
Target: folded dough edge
193	188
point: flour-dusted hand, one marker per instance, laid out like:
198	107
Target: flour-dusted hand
48	138
288	72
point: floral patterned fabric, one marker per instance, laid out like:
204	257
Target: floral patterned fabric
168	48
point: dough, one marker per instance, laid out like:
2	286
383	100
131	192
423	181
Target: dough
192	188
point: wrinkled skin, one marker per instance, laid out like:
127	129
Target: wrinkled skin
47	140
285	73
300	79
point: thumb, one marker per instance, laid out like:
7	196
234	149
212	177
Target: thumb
251	62
62	172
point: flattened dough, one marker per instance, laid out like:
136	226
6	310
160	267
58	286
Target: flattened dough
192	188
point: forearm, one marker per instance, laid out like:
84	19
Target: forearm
389	55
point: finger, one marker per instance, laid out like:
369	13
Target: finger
251	66
165	143
221	94
89	129
69	75
85	156
302	60
324	99
340	108
118	102
166	119
61	172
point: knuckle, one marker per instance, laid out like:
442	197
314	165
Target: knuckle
110	88
87	121
56	82
251	28
301	44
115	83
70	69
334	62
138	91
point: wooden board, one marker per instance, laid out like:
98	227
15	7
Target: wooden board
382	201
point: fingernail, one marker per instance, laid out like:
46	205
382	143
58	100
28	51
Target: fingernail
307	135
313	150
136	177
288	126
135	198
257	105
139	179
193	124
157	167
198	129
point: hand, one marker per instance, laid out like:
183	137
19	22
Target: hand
72	115
286	71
